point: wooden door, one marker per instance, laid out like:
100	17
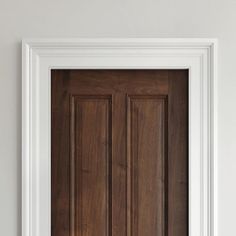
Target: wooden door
119	153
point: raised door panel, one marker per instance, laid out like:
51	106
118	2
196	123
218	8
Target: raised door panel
90	165
147	164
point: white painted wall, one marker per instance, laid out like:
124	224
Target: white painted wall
103	18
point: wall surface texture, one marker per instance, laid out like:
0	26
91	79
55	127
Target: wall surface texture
123	18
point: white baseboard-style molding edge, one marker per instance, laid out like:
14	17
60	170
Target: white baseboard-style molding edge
39	56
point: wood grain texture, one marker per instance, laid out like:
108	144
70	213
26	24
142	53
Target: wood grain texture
60	157
119	152
178	153
147	156
90	165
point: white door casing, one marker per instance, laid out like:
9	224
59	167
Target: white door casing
39	56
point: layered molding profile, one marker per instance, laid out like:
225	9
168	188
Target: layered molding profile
39	56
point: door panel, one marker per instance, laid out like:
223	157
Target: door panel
147	150
90	165
119	153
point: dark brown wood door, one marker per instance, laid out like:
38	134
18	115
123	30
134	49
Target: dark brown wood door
119	153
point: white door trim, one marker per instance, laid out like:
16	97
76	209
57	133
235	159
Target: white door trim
41	55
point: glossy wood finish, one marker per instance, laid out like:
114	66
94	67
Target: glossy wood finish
119	152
